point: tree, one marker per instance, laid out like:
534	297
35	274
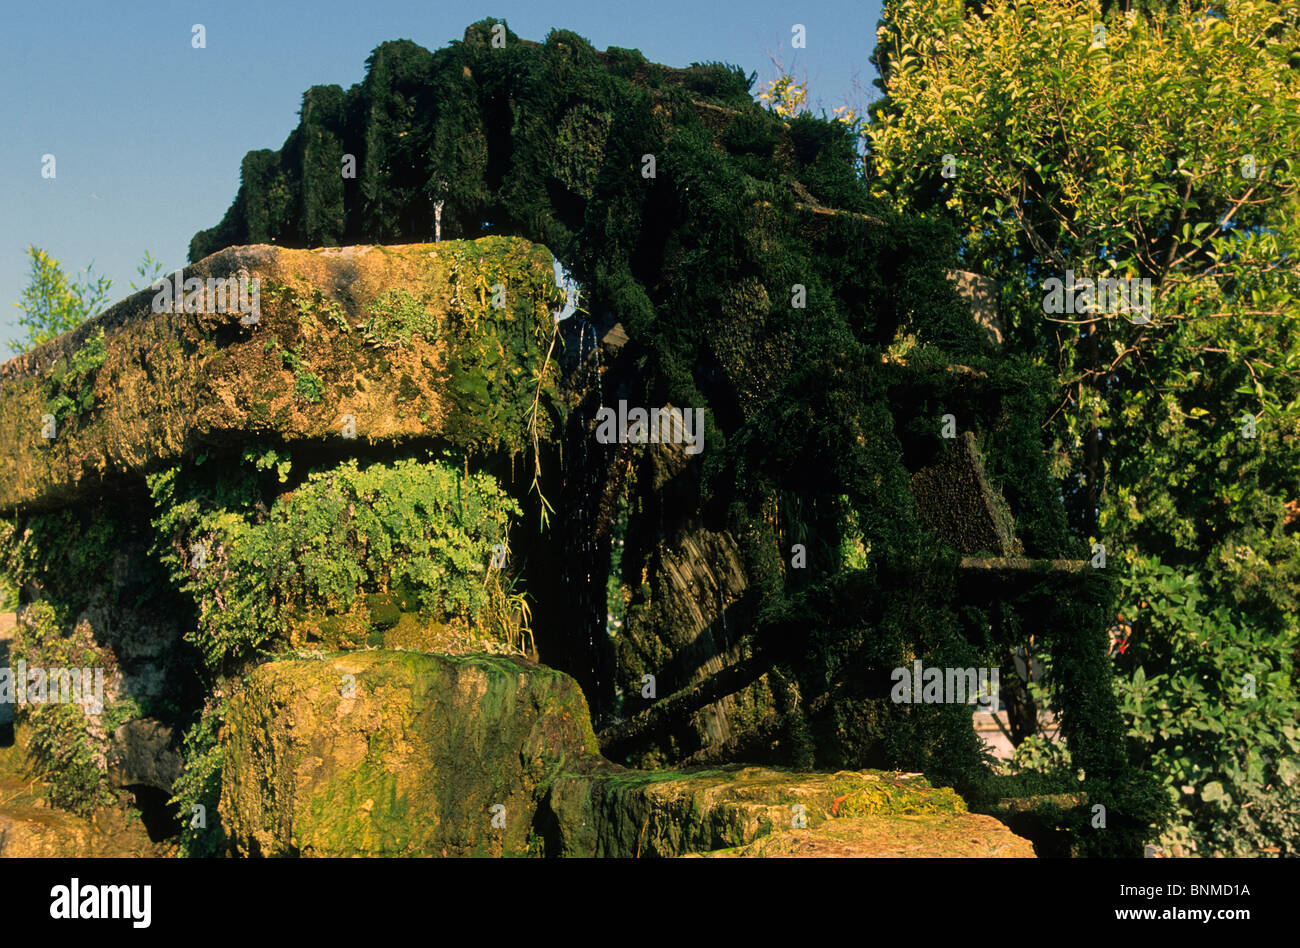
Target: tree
52	304
1160	147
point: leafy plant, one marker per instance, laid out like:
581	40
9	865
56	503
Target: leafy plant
149	270
69	741
1164	149
1211	703
394	317
424	527
72	380
200	783
52	304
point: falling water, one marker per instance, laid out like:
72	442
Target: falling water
584	472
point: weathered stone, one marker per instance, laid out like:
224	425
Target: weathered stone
412	763
145	752
753	811
307	368
31	828
31	832
417	759
929	835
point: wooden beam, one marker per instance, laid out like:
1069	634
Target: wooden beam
1021	564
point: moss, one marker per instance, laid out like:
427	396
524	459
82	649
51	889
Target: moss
394	317
606	812
385	610
72	380
407	390
409	762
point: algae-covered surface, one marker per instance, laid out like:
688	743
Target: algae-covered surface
369	343
395	753
409	754
752	811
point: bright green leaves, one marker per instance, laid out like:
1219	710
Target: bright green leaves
423	527
72	392
52	305
1166	153
394	317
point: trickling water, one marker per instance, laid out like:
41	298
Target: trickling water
722	614
581	494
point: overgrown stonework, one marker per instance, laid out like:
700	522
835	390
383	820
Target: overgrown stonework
749	274
403	754
751	278
227	417
332	342
366	751
396	753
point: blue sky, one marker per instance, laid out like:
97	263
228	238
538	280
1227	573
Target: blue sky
148	132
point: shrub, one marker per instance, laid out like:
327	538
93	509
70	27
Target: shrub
422	527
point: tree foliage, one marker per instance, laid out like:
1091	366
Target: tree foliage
53	304
1160	147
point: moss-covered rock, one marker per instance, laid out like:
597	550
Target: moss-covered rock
751	811
395	754
343	346
407	754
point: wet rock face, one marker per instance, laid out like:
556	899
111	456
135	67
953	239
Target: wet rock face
373	343
395	753
145	752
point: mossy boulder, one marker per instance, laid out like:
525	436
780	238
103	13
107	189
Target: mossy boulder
753	811
389	753
407	754
384	344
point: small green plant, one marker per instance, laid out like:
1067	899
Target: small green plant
52	305
269	460
200	784
313	302
68	741
73	391
420	526
307	385
395	317
149	271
